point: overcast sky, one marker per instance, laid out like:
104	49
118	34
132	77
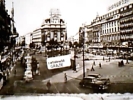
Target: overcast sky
29	14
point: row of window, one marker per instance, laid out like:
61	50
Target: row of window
125	8
126	14
111	30
127	25
118	4
126	20
115	12
111	38
109	24
127	31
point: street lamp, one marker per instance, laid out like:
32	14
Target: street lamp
83	36
74	58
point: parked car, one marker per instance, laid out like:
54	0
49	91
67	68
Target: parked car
95	75
94	83
99	77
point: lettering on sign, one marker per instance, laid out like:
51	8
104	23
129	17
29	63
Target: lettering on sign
121	2
58	62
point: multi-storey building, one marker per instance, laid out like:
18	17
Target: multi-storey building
89	32
54	27
37	37
20	41
5	26
28	39
126	27
110	29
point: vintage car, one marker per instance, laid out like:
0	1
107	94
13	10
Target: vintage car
99	77
92	82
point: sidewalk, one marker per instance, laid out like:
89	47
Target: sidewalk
8	88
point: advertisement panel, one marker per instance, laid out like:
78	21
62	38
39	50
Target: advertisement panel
58	62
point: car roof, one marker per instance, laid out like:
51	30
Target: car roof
93	74
89	77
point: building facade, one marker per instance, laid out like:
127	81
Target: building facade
54	27
37	37
20	41
5	27
109	30
126	27
28	39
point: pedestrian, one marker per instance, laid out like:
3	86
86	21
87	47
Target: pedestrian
94	63
109	59
38	69
122	63
100	65
103	58
74	68
65	78
92	68
48	85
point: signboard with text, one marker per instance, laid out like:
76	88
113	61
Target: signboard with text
58	62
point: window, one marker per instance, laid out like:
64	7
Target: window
130	6
121	9
117	11
125	8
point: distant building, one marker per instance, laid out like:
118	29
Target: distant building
20	40
54	27
28	39
37	37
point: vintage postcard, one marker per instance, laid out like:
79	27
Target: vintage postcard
62	46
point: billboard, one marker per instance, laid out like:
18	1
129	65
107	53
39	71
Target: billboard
58	62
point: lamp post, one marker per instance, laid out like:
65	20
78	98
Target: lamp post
74	58
83	36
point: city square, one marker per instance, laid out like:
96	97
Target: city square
46	60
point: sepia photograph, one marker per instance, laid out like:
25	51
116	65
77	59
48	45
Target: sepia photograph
62	46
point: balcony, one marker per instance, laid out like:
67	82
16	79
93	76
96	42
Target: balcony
126	14
126	25
126	31
126	20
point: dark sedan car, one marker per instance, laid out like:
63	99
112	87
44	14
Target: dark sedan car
99	77
92	82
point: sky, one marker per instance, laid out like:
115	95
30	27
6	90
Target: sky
29	14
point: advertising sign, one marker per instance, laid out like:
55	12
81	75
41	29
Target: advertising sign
58	62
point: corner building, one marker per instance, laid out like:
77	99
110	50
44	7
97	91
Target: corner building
54	27
114	29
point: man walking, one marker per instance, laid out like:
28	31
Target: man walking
109	59
100	65
94	63
65	78
92	68
48	85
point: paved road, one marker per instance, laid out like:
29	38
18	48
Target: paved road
109	69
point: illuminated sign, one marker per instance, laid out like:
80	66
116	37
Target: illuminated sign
58	62
118	4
